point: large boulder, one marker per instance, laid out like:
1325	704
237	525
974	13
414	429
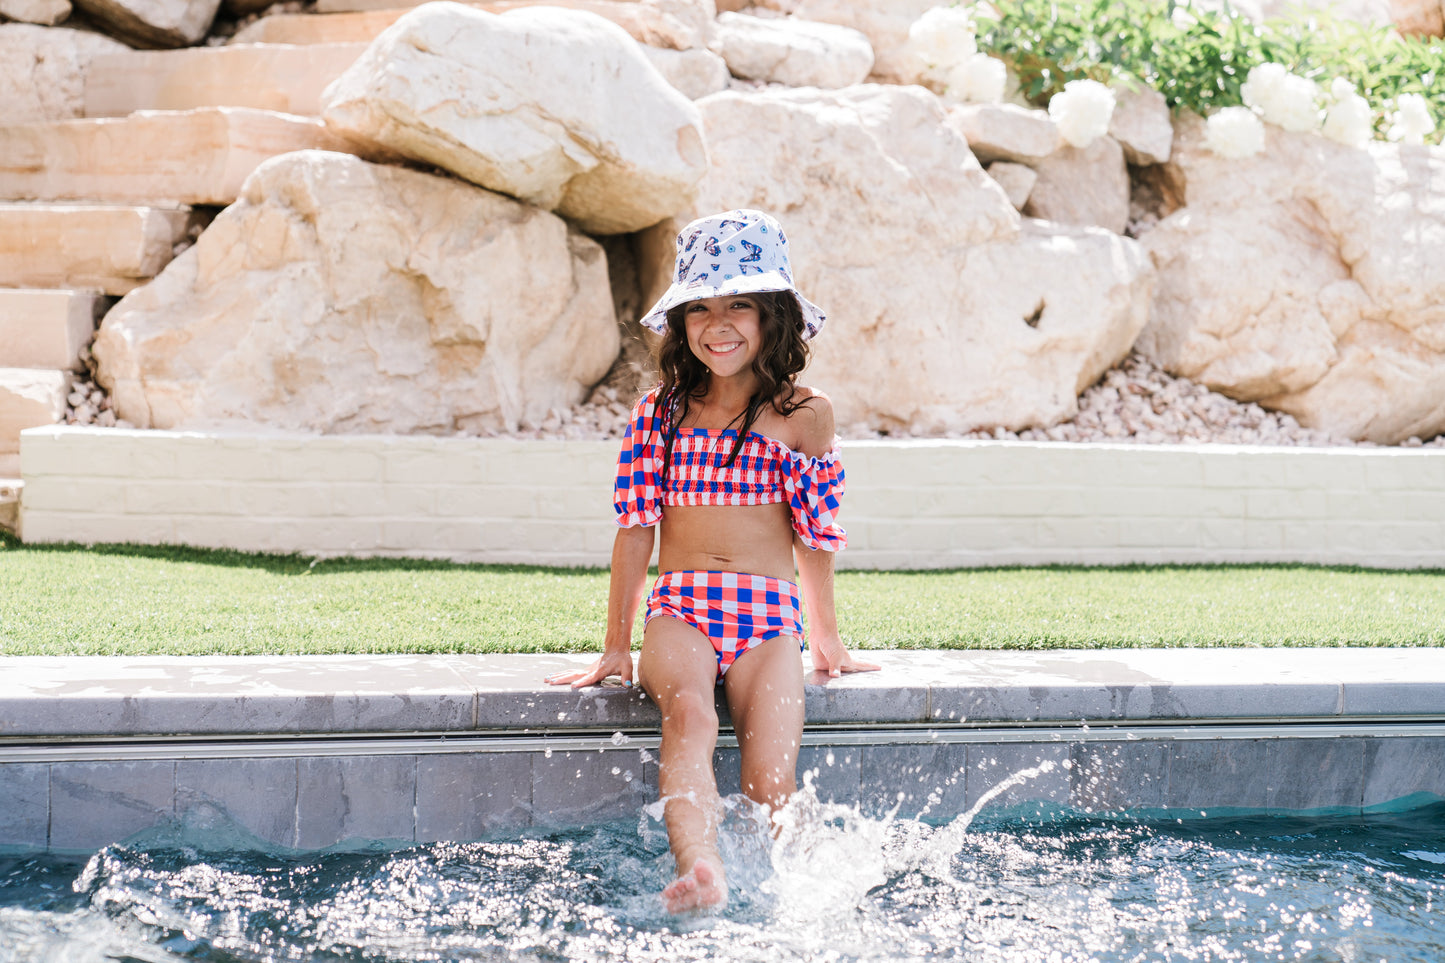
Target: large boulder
42	71
152	23
1085	186
44	12
556	107
341	296
947	312
1307	278
884	22
798	53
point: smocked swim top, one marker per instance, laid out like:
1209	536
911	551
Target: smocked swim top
765	472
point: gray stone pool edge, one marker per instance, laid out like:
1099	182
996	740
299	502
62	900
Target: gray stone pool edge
306	752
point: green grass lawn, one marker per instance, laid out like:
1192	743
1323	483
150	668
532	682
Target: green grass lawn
113	600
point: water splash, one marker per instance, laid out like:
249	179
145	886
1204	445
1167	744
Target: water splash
833	885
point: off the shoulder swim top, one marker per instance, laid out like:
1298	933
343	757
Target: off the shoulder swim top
765	472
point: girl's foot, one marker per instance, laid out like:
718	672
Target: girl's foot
702	887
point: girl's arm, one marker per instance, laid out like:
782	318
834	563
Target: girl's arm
631	553
815	566
815	578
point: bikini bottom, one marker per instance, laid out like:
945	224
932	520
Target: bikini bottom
736	611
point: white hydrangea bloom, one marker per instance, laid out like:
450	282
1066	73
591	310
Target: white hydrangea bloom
978	80
1082	111
1412	120
943	38
1349	119
1234	132
1282	98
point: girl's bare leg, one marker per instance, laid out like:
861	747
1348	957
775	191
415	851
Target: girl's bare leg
678	668
765	699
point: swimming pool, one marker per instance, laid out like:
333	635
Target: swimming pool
1030	883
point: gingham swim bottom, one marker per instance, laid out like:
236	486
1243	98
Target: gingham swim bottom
736	611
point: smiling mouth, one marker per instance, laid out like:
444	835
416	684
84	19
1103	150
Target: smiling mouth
726	347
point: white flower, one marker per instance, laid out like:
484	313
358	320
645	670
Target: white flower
943	37
1234	132
1349	119
1282	98
1082	111
1412	120
979	80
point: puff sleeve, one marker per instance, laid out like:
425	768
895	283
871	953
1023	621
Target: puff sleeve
814	486
637	495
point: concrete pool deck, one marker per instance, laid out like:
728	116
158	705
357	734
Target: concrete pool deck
309	751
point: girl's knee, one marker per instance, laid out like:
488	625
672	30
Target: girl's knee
690	711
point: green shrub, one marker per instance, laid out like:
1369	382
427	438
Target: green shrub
1199	58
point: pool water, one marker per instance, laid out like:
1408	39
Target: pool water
836	885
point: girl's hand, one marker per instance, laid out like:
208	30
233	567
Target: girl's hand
830	656
610	664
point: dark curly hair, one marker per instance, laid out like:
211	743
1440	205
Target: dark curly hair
783	356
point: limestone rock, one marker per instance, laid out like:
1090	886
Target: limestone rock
1425	18
1142	125
1307	279
342	296
1005	132
152	157
47	13
695	73
111	249
669	24
42	71
946	314
153	23
797	53
884	22
46	329
283	78
1015	179
29	398
556	107
1086	186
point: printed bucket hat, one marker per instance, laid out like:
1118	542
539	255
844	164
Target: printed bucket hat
738	252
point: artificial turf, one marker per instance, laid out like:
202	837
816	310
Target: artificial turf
131	600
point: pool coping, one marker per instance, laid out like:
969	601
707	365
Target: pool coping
48	698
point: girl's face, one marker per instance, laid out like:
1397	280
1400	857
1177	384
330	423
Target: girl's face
725	334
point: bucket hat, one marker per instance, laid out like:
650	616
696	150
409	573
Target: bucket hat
737	252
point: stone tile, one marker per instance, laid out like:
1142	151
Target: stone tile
887	697
573	787
1221	774
24	805
1422	696
259	795
1318	773
94	804
1118	775
727	768
927	776
1402	766
837	771
155	695
511	694
992	767
465	796
354	797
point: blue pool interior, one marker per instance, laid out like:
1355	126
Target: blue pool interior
1030	882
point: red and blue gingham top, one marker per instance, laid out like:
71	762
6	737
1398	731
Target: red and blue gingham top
765	472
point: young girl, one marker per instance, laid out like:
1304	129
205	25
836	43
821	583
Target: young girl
740	465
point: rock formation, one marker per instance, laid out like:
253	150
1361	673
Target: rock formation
342	296
556	107
1307	278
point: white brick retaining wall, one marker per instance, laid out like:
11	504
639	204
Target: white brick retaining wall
910	504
